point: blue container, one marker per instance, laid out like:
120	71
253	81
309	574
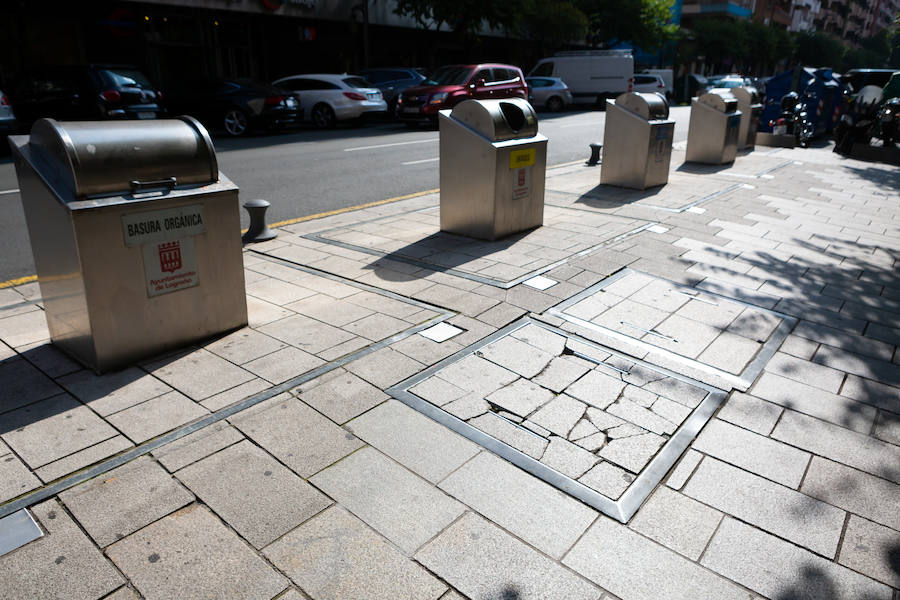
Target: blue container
798	79
831	100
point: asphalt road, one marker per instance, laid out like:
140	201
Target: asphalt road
308	172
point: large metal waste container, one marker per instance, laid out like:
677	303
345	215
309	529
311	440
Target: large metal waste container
135	236
493	164
637	141
751	109
714	126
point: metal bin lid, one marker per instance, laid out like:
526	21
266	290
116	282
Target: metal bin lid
498	120
113	157
652	107
746	95
720	99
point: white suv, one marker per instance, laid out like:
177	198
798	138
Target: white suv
330	98
645	82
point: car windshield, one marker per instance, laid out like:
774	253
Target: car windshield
357	82
127	78
448	76
730	83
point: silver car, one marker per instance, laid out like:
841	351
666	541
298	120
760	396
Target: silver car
7	118
548	92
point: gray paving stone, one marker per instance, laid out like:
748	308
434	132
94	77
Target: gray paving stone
296	435
468	407
305	333
718	315
426	351
684	469
774	508
527	507
197	446
871	392
283	364
603	420
677	522
689	338
509	433
669	410
385	495
521	397
191	554
156	416
778	569
377	327
854	491
567	458
750	413
635	568
597	389
243	476
560	415
412	439
640	396
517	356
340	395
872	550
125	499
55	566
593	442
755	453
385	367
583	429
437	391
729	352
199	374
48	430
798	346
887	427
608	479
112	392
633	452
235	394
23	384
810	373
335	555
245	345
123	593
15	477
815	402
24	329
841	445
629	411
82	458
482	561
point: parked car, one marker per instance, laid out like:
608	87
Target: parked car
650	83
8	125
84	92
392	82
668	77
732	81
548	92
237	106
690	86
449	85
331	98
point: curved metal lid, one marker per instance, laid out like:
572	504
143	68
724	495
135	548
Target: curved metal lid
498	120
109	157
720	99
746	95
652	107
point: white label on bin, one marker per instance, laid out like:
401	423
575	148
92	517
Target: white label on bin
170	266
163	225
521	183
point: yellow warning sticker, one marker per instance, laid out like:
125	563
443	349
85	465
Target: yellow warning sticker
521	158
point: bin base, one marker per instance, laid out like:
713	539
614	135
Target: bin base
775	141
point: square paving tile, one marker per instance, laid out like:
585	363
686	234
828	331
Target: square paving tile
125	499
340	395
112	392
335	555
156	416
15	477
23	384
252	492
621	424
721	341
199	374
191	554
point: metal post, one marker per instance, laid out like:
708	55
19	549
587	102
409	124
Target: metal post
258	230
594	160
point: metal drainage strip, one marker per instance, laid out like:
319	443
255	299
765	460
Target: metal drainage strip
708	373
645	482
107	465
499	283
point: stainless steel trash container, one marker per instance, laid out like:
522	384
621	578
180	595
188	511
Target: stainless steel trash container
751	109
493	164
637	141
714	127
135	236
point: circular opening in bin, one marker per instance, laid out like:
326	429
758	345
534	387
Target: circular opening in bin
514	115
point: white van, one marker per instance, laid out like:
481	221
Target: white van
592	75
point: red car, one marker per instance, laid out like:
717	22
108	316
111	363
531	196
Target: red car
450	85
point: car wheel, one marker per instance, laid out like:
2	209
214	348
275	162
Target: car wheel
554	104
236	122
323	117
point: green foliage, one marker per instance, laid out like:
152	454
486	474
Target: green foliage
642	22
466	17
819	49
551	22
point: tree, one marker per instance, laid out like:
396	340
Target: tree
644	23
551	23
819	49
465	17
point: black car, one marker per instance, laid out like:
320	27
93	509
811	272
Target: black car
84	92
392	82
237	106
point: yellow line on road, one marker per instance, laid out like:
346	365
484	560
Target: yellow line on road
19	281
351	208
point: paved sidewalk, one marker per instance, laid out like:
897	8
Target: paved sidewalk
331	450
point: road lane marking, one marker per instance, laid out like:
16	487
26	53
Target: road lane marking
389	145
15	191
416	162
18	281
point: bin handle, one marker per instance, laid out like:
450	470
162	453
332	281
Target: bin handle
167	183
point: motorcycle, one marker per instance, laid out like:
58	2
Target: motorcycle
794	120
885	125
858	120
